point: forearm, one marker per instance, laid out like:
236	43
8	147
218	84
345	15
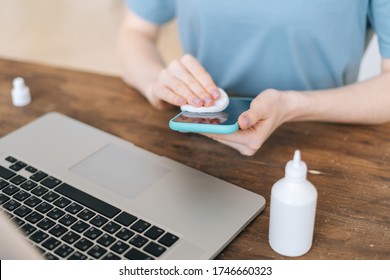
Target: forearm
366	102
139	59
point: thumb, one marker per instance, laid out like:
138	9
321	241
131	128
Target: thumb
249	118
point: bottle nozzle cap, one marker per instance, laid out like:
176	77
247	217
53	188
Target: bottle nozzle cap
19	83
297	159
296	168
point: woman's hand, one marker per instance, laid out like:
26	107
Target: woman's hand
268	110
183	81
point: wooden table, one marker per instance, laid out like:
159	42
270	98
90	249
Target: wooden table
349	164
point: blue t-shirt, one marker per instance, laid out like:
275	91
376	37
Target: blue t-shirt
248	46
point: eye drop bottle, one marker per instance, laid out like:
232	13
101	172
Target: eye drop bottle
293	208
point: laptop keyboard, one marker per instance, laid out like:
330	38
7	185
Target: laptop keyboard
67	223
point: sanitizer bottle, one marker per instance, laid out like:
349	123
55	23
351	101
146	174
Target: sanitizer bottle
293	208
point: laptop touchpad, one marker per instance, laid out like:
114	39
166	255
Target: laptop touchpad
120	170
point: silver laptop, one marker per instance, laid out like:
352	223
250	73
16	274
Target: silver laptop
77	192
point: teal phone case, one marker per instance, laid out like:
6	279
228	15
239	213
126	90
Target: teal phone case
212	128
203	128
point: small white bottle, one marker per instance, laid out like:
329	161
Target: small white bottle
293	208
20	93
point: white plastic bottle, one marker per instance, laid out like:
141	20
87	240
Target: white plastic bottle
20	93
293	208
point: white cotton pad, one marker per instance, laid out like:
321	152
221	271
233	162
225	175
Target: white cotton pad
219	105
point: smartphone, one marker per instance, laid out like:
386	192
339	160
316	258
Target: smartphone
224	122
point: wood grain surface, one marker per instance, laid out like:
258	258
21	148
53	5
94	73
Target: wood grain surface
349	164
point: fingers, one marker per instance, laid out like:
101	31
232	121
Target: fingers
250	117
185	81
201	75
269	104
174	91
179	71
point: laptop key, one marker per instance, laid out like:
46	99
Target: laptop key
56	213
125	219
50	196
32	201
83	244
50	182
46	223
124	234
77	256
31	169
3	198
28	185
71	237
39	236
74	208
11	205
93	233
154	249
5	173
38	176
17	180
63	251
86	214
98	221
44	207
22	211
11	189
11	159
80	226
67	220
62	202
140	226
134	254
168	239
51	243
106	240
111	227
58	230
97	252
3	184
138	241
34	217
119	247
88	200
22	195
111	256
154	232
40	190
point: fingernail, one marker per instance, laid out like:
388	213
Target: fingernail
215	93
245	121
197	101
208	100
181	101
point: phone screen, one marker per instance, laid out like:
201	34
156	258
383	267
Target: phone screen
229	116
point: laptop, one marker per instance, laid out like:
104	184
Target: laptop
76	192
